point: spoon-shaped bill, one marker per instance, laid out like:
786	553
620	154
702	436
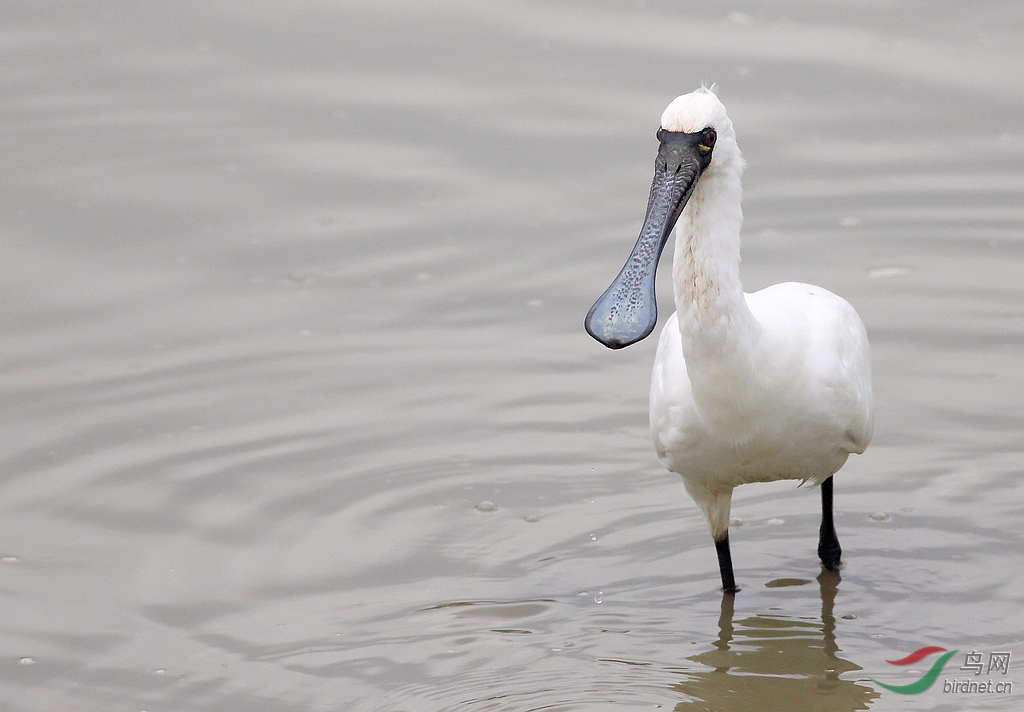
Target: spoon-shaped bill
628	310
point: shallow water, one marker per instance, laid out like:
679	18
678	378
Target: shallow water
299	413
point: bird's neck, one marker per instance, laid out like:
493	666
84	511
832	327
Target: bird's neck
719	333
706	268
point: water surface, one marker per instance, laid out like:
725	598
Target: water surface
299	413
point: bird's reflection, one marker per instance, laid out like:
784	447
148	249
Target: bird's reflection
775	662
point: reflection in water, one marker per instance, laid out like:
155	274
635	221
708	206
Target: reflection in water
773	662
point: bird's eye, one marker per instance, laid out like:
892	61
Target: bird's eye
707	141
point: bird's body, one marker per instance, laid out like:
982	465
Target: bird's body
791	408
746	387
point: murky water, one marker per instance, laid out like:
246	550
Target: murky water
298	410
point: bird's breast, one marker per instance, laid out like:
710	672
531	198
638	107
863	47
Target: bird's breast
777	409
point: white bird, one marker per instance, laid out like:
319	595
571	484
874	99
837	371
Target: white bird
759	387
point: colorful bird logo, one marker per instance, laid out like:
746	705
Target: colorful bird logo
928	678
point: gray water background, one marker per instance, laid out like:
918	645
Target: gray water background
297	408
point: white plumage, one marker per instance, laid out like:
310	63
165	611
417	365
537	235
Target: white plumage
746	387
790	404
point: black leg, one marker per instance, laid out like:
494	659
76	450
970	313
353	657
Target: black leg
829	550
725	564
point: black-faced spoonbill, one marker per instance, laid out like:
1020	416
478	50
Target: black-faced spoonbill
774	385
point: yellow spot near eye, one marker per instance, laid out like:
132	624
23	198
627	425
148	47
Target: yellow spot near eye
703	148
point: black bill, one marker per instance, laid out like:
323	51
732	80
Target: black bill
628	310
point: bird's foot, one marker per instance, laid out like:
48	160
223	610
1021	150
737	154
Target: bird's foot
830	554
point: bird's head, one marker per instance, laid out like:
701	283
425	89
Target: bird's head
696	137
695	114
